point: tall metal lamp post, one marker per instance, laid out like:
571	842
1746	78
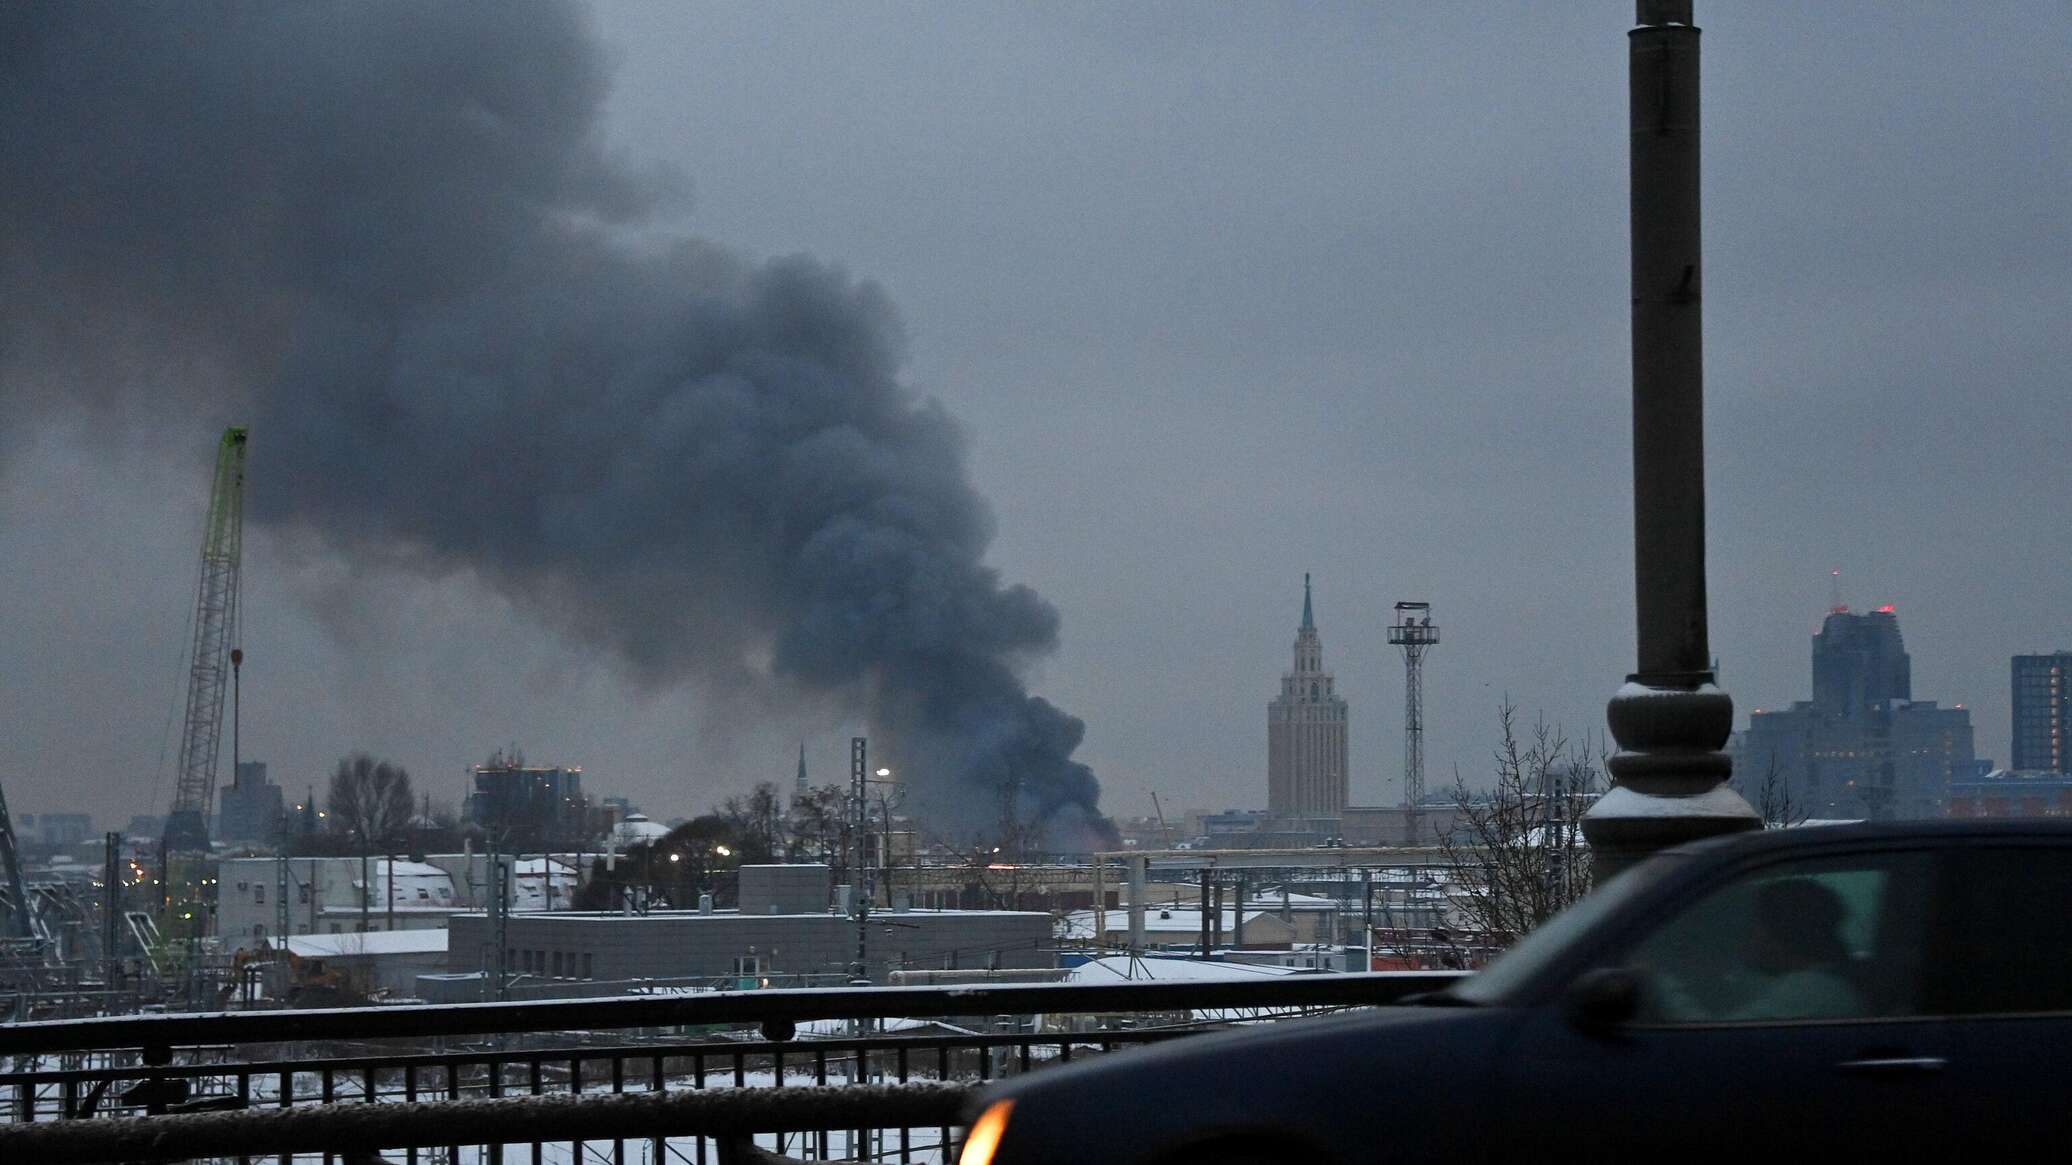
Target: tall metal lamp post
1670	719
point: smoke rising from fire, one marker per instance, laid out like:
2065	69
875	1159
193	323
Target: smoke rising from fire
391	238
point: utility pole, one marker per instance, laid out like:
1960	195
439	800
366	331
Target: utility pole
861	884
1670	718
1367	918
282	877
366	890
500	922
111	903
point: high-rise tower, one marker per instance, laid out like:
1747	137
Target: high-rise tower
1306	773
2042	739
1862	746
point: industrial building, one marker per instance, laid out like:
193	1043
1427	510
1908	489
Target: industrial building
785	928
528	806
250	808
2012	794
261	897
1862	747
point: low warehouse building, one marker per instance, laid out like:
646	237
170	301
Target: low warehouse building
785	930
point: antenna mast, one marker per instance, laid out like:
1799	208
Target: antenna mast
1414	632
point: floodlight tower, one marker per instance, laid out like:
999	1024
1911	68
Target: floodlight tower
1414	632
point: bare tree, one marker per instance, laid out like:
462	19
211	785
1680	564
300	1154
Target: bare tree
758	823
369	799
1517	851
816	825
1773	799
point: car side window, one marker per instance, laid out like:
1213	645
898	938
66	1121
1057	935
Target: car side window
1838	937
2011	910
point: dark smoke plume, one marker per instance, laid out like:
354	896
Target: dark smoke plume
389	236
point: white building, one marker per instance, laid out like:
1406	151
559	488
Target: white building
262	897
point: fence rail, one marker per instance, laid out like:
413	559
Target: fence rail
771	1009
603	1080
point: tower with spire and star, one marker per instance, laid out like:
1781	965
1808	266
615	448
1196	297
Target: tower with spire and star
1306	765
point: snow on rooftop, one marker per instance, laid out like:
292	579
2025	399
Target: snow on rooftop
1157	920
373	942
1123	969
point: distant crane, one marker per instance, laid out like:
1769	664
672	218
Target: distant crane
1414	633
215	631
1164	831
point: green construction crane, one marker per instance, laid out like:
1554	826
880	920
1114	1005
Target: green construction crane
17	924
215	633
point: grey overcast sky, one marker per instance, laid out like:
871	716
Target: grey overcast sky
1222	294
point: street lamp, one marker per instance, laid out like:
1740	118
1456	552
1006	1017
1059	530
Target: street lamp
1671	720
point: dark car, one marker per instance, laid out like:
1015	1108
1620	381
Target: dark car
1876	992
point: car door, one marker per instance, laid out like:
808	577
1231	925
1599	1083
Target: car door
2007	990
1780	1006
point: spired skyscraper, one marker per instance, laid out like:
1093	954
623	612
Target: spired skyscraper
1306	772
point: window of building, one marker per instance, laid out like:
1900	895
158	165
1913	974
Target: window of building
259	892
587	971
302	893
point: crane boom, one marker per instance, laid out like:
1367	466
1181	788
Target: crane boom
17	923
215	626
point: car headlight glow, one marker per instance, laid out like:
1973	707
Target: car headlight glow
984	1139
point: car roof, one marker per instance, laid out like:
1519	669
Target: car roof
1797	837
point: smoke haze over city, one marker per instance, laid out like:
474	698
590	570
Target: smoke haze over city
548	448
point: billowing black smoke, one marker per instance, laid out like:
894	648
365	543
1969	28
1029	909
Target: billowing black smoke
388	235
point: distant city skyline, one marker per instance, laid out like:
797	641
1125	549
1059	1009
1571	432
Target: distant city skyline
1215	299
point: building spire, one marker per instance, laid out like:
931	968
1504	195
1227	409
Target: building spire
802	767
1308	621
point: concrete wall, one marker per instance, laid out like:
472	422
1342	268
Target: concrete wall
797	888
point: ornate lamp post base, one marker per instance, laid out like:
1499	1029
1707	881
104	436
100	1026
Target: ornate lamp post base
1669	774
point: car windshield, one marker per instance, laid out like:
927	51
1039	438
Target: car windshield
1500	981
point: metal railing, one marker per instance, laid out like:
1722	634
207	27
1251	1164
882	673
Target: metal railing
691	1079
